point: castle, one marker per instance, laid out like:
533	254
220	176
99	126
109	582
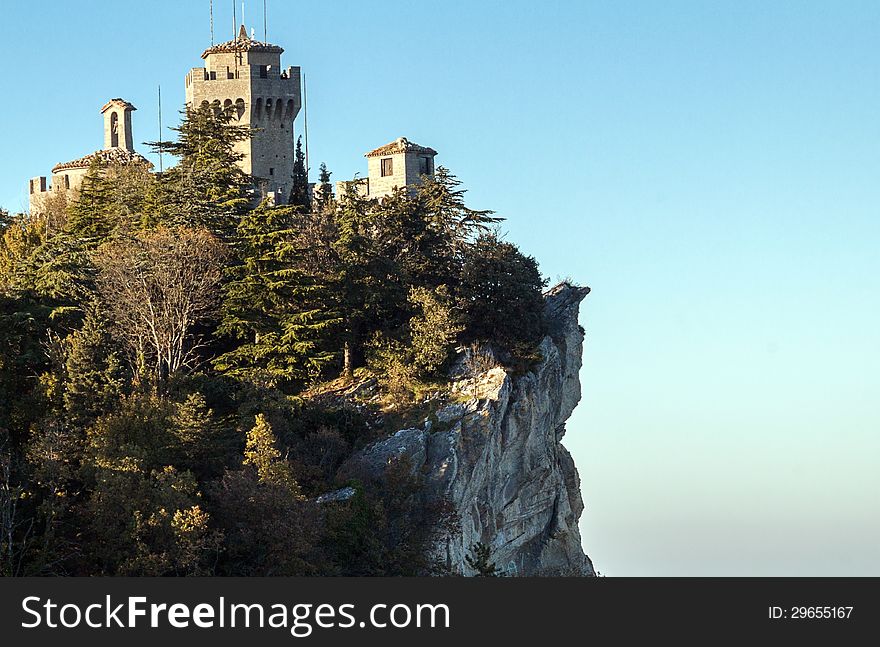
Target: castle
67	177
244	76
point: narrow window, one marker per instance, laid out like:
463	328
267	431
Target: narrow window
264	71
425	166
67	181
387	167
213	76
271	171
114	130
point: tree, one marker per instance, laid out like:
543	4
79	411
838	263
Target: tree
261	453
434	329
206	189
201	442
299	192
501	295
479	561
93	377
276	311
156	286
111	200
324	190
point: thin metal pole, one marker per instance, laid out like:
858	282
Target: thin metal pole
306	123
160	129
212	22
234	22
265	24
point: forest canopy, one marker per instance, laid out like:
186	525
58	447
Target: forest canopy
162	339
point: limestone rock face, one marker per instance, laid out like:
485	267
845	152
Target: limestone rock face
495	455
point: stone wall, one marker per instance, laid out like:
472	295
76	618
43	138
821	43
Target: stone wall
269	105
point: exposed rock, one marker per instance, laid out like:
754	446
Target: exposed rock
496	456
336	496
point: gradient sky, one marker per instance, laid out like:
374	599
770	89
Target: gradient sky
710	169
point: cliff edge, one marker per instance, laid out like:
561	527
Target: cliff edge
494	454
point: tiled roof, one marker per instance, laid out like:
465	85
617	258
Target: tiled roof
400	145
122	103
242	44
118	155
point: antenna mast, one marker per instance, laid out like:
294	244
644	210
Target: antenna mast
160	129
243	21
212	22
234	22
306	123
265	24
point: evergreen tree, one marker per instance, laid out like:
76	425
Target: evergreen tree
206	188
479	560
501	296
111	200
299	192
90	220
94	380
261	453
324	192
277	313
201	441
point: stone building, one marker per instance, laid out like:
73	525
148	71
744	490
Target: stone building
67	177
246	76
401	163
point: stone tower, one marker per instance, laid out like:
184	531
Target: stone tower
117	124
399	164
67	177
245	75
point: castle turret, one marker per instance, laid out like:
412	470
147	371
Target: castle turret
246	77
399	164
117	124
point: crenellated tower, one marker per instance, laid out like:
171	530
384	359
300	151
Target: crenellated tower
246	76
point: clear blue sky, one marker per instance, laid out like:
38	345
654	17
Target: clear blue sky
710	169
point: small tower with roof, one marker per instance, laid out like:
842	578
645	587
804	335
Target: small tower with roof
401	163
117	124
67	177
246	77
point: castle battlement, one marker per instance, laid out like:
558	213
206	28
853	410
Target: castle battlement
246	77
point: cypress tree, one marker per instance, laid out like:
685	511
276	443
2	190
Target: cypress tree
299	192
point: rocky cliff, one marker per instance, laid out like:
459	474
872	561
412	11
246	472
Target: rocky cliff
494	453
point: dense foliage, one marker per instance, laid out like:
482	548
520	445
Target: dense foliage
161	339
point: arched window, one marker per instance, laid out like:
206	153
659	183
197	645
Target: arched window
279	107
239	107
289	112
114	130
258	108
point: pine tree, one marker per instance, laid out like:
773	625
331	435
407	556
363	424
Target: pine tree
299	192
261	453
206	188
278	314
324	192
479	561
201	441
90	219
